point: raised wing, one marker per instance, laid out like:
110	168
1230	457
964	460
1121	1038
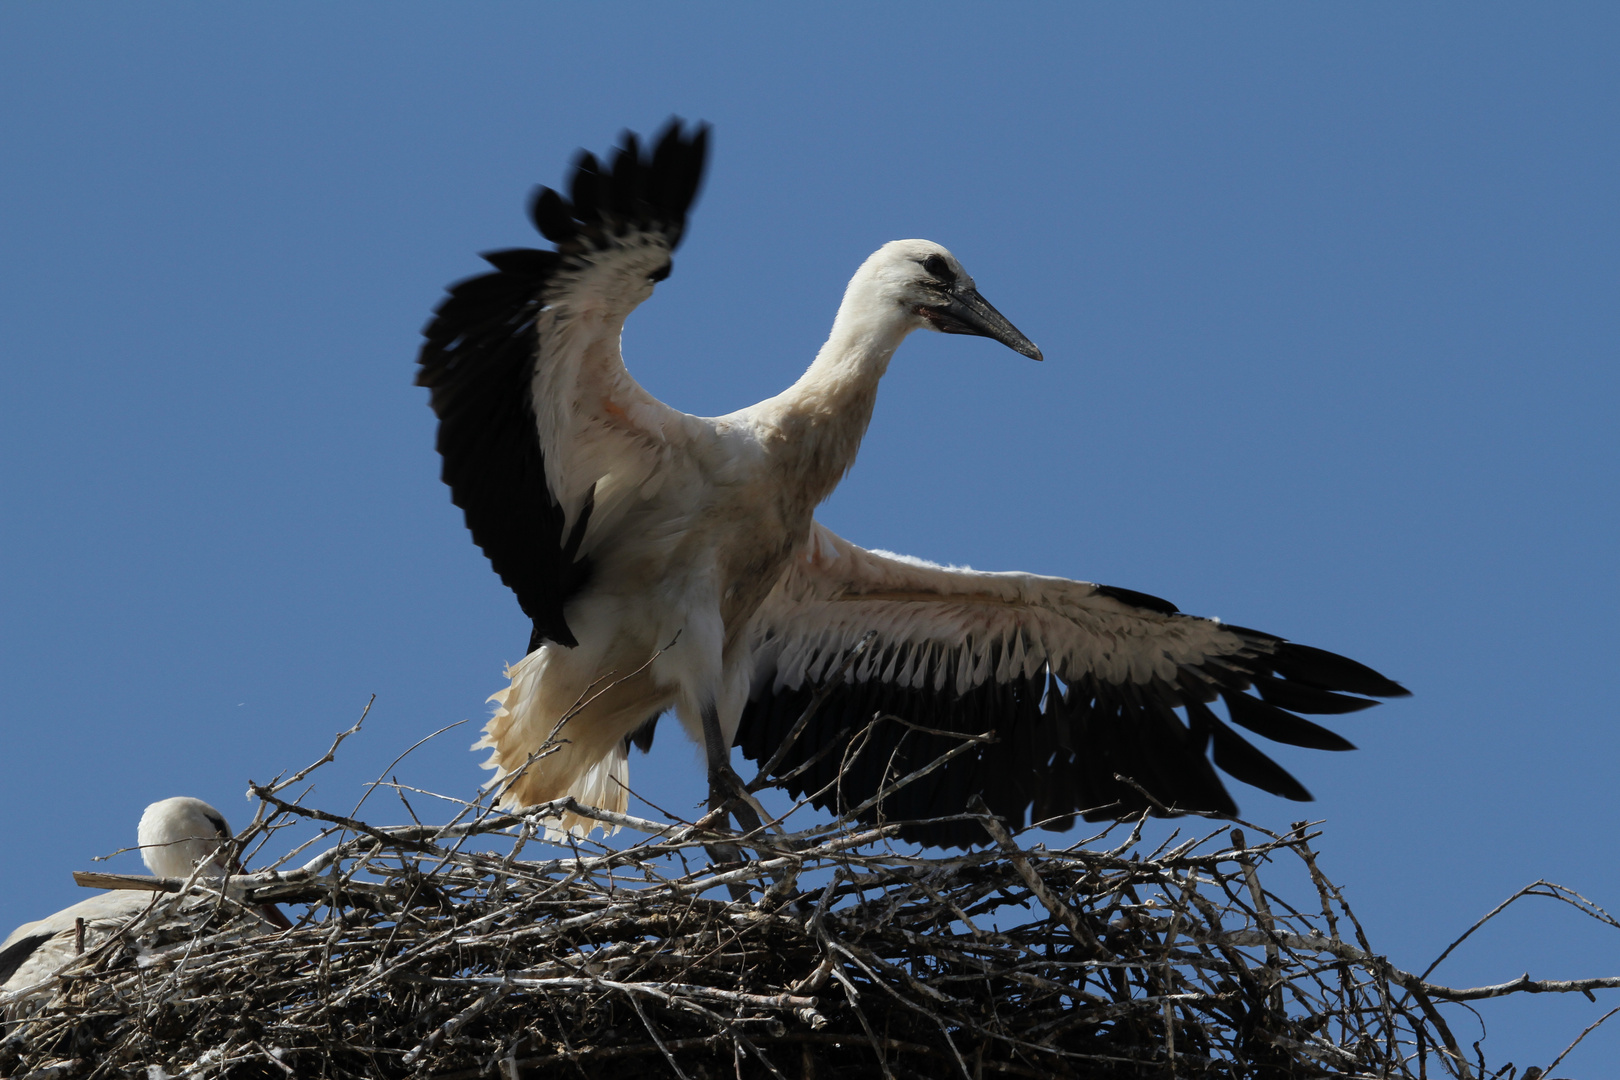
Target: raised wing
1077	683
544	434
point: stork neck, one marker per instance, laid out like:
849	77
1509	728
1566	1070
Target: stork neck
846	371
828	409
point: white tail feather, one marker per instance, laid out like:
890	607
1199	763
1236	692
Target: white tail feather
566	767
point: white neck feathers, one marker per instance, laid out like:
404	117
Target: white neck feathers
824	415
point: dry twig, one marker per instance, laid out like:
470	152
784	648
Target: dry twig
422	957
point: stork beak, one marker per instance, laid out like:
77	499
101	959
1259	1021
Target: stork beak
970	313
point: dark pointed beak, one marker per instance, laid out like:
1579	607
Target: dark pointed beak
969	313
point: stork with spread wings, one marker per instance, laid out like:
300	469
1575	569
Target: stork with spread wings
672	561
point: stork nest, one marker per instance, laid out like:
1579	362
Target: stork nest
453	952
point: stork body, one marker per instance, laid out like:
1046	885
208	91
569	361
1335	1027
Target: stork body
36	951
178	837
682	563
673	561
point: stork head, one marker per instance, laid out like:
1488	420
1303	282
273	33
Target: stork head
928	282
178	835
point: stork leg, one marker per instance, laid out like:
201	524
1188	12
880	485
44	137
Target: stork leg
725	786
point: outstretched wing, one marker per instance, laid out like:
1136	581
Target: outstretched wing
544	434
1078	684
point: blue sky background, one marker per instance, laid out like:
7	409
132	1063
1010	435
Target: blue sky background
1328	298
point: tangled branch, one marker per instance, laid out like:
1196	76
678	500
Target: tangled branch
446	952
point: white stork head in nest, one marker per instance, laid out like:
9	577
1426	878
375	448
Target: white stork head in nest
180	835
179	838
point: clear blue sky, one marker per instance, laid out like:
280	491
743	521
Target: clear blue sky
1328	297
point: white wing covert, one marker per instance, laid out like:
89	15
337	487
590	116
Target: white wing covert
1078	684
36	950
544	434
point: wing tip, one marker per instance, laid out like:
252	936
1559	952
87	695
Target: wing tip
1326	670
650	185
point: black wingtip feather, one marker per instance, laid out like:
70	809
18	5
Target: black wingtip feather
1237	756
629	191
1330	671
1298	697
1282	726
551	216
520	261
584	190
17	953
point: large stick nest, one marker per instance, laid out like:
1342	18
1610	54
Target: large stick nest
463	951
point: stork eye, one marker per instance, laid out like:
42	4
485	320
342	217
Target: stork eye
937	266
661	273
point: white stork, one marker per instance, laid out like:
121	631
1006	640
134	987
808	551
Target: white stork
177	837
623	525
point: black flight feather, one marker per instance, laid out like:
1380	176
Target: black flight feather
1282	726
1330	671
1301	697
1237	755
17	953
